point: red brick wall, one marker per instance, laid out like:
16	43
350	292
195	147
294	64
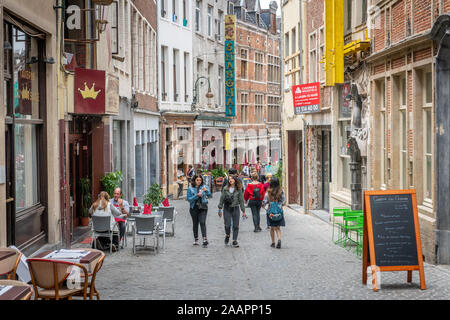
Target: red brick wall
398	22
422	54
446	6
315	11
379	35
378	69
422	15
148	9
398	63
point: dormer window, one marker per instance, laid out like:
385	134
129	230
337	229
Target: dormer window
257	19
230	8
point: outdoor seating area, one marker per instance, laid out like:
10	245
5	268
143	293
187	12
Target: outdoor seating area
55	275
347	229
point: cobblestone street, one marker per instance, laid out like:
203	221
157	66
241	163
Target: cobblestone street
308	266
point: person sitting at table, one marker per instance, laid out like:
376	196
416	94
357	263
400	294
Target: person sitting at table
124	208
102	207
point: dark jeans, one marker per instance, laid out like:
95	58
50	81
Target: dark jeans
180	189
231	214
198	217
122	229
255	206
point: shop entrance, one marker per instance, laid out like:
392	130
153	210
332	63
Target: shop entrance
80	155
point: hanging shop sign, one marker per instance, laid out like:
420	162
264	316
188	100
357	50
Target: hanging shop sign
306	98
230	35
89	91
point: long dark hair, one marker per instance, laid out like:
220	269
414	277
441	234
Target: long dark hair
274	191
193	183
237	182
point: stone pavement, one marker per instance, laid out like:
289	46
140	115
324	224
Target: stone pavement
308	266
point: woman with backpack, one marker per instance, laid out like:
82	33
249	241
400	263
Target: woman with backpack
231	200
273	202
197	195
254	194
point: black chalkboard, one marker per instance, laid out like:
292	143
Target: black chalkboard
394	234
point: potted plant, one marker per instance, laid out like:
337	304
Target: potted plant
86	199
154	195
111	181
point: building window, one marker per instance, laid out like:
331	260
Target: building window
198	15
164	8
259	108
244	107
322	54
221	87
259	66
185	76
230	8
175	10
185	13
428	135
273	69
403	135
77	37
312	57
210	18
176	80
114	27
286	44
117	145
273	109
164	77
293	41
244	57
381	103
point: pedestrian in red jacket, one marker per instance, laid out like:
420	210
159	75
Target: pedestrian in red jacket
254	194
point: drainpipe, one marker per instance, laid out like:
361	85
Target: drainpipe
305	169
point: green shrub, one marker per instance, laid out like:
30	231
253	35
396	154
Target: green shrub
111	181
154	195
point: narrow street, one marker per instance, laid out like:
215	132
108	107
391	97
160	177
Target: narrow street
308	266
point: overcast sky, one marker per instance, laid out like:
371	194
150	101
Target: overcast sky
265	5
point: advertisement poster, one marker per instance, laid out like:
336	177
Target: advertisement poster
306	98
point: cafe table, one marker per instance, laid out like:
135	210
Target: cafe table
14	290
86	257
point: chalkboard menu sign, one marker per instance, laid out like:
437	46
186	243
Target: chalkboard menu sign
393	229
392	233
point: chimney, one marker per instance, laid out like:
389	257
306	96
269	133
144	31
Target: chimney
273	7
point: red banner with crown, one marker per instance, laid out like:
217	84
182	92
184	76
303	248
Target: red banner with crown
89	91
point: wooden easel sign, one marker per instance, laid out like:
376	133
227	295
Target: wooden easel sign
392	234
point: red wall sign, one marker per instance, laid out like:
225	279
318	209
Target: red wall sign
89	91
306	98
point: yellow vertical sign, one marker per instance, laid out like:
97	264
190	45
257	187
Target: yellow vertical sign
334	42
227	141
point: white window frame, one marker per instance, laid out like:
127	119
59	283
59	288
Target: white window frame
427	106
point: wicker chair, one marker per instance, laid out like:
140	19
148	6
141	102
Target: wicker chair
91	282
18	284
9	265
50	275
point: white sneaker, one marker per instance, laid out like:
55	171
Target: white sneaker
196	242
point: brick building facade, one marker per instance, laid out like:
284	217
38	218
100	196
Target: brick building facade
258	85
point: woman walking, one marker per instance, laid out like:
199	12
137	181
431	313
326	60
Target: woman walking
254	194
197	195
274	201
231	200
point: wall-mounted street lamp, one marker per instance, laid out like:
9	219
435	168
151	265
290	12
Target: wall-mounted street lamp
209	94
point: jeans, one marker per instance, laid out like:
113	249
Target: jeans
198	217
231	214
122	228
255	206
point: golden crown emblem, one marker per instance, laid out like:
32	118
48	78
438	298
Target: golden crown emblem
25	93
89	93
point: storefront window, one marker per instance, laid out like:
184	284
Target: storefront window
26	166
25	75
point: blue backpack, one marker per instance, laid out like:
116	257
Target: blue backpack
275	212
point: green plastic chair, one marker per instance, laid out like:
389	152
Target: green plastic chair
338	212
353	221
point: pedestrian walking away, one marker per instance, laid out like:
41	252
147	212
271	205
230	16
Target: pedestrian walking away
253	195
197	195
274	201
266	187
231	200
